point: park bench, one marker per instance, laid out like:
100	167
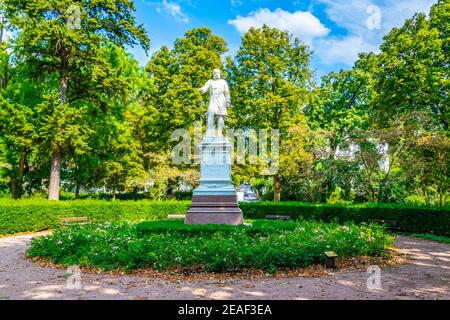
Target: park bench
74	221
390	224
176	216
330	261
274	217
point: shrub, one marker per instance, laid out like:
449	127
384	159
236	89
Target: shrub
170	244
259	227
38	215
418	219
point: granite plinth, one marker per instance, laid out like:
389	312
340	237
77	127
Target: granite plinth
215	200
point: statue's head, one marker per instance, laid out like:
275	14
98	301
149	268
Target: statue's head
216	74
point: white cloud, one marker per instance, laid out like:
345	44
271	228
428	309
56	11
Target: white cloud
342	50
353	16
174	9
300	23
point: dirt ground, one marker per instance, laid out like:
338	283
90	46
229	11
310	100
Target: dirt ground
425	276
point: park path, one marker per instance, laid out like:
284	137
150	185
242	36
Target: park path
425	276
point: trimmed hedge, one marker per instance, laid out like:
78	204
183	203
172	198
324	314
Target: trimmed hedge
37	215
262	228
418	219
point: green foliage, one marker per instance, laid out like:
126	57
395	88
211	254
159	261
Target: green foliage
419	219
69	58
431	237
37	215
170	244
412	72
269	81
177	74
72	98
259	227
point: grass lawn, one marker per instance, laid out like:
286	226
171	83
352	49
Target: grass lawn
164	245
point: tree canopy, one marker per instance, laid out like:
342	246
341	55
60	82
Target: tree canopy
78	112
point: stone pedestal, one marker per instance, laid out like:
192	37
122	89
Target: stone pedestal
215	200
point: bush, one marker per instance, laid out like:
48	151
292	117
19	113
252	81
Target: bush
418	219
37	215
171	244
259	227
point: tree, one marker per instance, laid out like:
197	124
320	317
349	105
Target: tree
338	108
173	101
116	159
431	160
269	80
176	75
413	70
19	92
63	40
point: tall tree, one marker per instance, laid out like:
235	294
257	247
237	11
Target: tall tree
413	72
177	74
269	78
116	159
63	40
339	108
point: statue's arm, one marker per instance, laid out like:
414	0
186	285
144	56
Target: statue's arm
227	94
205	87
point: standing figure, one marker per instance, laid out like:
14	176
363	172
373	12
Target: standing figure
219	101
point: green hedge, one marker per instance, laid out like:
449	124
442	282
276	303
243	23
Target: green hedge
419	219
37	215
262	228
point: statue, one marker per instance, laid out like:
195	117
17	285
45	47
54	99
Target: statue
215	199
219	101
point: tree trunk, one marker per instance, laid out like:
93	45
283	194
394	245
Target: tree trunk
23	157
14	188
114	193
77	190
53	188
64	78
276	188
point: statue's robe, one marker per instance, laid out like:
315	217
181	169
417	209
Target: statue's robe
219	96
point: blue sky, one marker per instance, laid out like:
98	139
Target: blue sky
336	30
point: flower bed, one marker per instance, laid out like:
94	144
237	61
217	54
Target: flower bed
165	245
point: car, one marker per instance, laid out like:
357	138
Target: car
250	196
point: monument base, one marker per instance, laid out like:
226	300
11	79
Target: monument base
215	199
214	209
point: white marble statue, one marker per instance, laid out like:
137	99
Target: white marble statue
219	101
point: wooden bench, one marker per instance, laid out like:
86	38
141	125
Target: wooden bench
73	221
273	217
176	216
390	224
330	261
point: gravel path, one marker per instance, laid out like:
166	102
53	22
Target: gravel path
426	276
